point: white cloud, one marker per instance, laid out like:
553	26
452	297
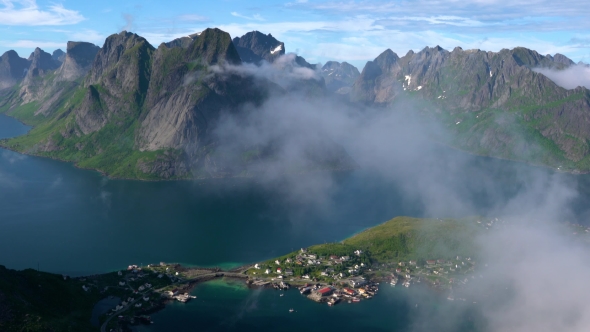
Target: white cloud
28	13
570	78
255	17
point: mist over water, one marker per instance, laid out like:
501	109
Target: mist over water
77	221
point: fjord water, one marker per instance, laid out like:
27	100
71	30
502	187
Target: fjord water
222	306
68	220
73	221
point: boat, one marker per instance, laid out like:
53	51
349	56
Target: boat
291	310
356	299
282	294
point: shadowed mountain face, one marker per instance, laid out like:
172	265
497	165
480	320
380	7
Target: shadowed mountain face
77	60
339	77
255	46
12	69
493	102
58	55
136	111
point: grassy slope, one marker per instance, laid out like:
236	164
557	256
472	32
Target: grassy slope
406	238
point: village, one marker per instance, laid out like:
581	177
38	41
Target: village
351	278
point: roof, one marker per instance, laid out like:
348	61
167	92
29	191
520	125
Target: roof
325	290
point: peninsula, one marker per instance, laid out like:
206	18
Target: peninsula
439	253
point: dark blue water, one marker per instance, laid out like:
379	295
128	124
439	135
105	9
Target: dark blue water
232	307
76	221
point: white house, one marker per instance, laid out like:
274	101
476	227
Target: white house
277	262
358	252
121	283
256	266
279	270
145	298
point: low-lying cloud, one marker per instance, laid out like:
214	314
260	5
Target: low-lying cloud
536	276
569	78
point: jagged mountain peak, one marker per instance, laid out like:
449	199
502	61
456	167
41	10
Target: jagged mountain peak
12	69
58	55
339	77
77	60
214	46
254	46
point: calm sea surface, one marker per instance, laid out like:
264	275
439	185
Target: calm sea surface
73	221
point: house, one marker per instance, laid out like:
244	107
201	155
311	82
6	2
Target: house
288	272
362	291
289	260
413	263
431	262
145	298
257	266
121	283
324	273
160	276
408	276
124	303
303	250
338	261
333	257
401	263
357	282
277	262
120	273
344	258
326	291
279	270
267	271
398	270
85	288
358	252
312	256
440	261
138	305
342	274
330	270
141	288
305	276
349	291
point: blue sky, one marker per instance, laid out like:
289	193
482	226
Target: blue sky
353	31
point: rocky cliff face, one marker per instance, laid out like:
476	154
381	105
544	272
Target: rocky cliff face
58	55
76	62
339	77
493	101
12	69
255	46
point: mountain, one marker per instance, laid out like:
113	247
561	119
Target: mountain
255	46
76	62
12	69
136	111
58	55
493	102
339	77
